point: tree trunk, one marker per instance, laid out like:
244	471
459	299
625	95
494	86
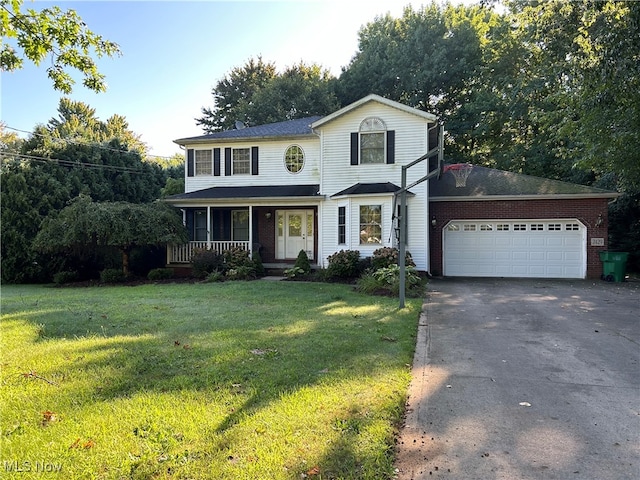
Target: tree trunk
125	260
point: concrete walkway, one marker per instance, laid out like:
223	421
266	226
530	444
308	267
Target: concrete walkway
525	379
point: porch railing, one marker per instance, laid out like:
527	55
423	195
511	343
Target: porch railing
183	253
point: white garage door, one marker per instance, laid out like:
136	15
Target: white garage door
515	248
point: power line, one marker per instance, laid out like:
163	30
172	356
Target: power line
70	163
76	142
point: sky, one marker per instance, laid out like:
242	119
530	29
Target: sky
174	53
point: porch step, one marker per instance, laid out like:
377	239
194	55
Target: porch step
273	278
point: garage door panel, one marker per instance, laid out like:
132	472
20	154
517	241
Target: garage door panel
515	248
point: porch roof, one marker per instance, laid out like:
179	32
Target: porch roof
259	191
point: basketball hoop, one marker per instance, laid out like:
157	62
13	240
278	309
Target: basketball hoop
460	172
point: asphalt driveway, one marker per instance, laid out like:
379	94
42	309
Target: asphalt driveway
525	379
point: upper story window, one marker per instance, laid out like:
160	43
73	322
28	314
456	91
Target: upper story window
373	143
294	159
241	161
372	140
203	162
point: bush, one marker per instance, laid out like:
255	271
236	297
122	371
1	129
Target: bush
302	262
204	262
112	275
65	277
343	264
388	280
294	272
160	274
243	272
257	264
386	256
215	276
237	257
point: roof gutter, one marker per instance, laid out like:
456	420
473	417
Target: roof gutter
559	196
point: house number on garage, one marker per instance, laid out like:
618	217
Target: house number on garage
597	242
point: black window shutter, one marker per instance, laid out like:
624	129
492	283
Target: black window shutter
190	166
391	146
216	162
354	148
254	160
227	161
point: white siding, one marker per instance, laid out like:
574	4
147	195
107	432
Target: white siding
271	167
338	174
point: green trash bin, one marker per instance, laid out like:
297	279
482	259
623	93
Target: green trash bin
613	266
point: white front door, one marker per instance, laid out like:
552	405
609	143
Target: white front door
295	233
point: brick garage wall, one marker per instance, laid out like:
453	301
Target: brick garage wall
589	211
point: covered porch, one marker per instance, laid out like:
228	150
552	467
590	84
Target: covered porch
277	233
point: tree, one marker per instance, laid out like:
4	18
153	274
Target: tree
74	153
233	93
86	225
255	94
63	35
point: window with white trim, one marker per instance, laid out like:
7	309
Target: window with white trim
503	227
294	159
572	226
537	226
203	162
370	224
520	227
486	227
554	226
372	140
342	225
241	161
469	227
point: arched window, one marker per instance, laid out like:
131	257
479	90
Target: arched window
372	140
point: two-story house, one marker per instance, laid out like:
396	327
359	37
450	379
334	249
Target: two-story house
319	184
325	184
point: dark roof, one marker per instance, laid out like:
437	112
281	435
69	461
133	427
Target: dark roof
368	189
263	191
489	182
298	127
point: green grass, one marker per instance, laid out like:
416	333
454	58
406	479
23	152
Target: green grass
239	380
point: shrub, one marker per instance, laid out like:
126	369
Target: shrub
388	279
294	272
243	272
112	275
343	264
302	262
386	256
236	257
160	274
65	277
215	276
257	264
204	262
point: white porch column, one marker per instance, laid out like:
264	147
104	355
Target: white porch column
251	231
209	225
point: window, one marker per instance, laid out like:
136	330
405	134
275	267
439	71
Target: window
486	227
240	225
520	227
503	227
370	224
241	158
469	227
372	140
342	225
554	226
200	225
572	226
203	162
294	159
453	227
537	226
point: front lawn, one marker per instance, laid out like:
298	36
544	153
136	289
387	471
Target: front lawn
239	380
